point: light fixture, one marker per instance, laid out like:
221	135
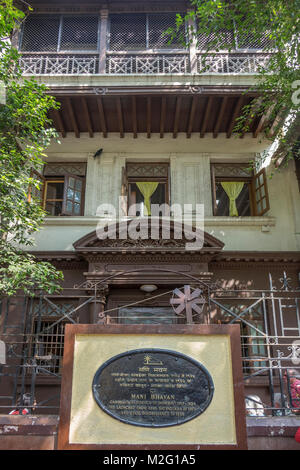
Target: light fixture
148	288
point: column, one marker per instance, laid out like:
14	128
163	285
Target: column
103	40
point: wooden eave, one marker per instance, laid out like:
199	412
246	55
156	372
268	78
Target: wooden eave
160	110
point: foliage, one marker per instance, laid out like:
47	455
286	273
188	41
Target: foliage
271	25
25	133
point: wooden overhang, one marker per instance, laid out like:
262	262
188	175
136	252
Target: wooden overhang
160	110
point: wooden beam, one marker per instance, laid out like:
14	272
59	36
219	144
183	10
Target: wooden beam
206	116
102	116
163	116
134	119
177	116
120	116
263	120
277	123
60	125
191	116
148	117
253	109
87	116
73	118
236	112
220	117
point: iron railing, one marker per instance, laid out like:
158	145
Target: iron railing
33	333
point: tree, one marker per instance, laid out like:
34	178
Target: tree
25	133
275	26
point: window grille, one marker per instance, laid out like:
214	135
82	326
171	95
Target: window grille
215	40
158	38
54	33
40	33
143	31
254	41
48	347
47	337
79	33
224	39
127	32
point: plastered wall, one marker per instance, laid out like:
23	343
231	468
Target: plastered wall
189	159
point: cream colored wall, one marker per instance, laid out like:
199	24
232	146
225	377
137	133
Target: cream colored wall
90	425
190	184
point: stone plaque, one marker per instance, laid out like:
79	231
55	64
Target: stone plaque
153	387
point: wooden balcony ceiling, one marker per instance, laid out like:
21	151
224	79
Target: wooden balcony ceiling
135	114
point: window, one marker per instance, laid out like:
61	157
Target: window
61	189
47	335
147	315
238	192
54	33
229	38
143	31
145	184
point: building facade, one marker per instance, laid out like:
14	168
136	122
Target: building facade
145	121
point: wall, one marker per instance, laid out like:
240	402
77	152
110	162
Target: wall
190	183
40	433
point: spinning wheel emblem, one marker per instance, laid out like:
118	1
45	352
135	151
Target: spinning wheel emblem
189	301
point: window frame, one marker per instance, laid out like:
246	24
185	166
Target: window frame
63	178
127	180
251	187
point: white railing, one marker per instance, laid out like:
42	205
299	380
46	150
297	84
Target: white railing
142	63
166	63
239	63
59	64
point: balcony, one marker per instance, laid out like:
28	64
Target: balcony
127	44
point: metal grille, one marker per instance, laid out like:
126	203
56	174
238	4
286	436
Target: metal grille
79	33
215	41
225	39
54	33
127	32
158	26
143	31
254	41
33	332
40	33
47	347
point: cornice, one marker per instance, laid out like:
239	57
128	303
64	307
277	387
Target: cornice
245	259
110	5
186	89
227	259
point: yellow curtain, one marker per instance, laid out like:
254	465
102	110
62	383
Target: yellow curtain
233	190
147	189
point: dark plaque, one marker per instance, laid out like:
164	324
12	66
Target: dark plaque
153	387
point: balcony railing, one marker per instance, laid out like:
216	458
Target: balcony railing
146	62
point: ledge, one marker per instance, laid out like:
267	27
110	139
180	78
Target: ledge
280	426
240	221
107	80
208	221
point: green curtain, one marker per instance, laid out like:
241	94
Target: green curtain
147	189
233	190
